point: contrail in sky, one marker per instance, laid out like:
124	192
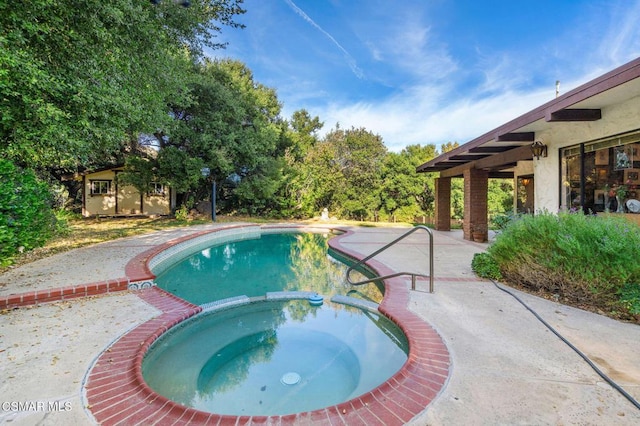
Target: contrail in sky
352	62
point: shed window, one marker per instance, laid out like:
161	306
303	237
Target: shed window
100	187
156	189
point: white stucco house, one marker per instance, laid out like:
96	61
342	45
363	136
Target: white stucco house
588	155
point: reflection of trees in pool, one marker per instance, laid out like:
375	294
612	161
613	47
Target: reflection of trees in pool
230	366
242	354
275	262
239	355
315	270
195	262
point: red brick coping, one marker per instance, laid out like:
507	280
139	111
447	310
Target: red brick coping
65	293
116	392
136	271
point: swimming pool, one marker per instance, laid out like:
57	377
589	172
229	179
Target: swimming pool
255	266
275	357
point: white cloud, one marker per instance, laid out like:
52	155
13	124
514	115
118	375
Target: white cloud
621	41
427	119
349	59
409	46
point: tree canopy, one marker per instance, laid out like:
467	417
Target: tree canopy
81	78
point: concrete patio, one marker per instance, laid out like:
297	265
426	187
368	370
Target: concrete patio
506	366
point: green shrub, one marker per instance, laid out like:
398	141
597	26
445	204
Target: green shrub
26	217
630	298
485	267
581	258
182	213
501	221
62	219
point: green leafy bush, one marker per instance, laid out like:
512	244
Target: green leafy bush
484	266
62	219
26	218
182	213
630	297
581	258
501	221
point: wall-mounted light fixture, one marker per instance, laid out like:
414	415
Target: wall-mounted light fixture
538	149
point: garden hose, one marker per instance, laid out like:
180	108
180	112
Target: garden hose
576	350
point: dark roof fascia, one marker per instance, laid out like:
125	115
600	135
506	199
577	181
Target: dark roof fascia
87	172
607	81
104	169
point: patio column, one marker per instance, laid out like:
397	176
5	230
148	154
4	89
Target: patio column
476	184
443	204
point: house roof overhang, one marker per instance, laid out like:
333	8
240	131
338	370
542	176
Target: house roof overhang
501	148
79	175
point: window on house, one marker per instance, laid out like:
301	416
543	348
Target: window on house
100	187
602	176
156	189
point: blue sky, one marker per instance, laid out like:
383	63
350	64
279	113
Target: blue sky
429	71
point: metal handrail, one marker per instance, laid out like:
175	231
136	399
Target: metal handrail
413	274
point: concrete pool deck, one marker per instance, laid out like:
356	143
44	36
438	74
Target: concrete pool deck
506	367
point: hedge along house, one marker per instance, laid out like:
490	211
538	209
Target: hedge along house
578	151
103	196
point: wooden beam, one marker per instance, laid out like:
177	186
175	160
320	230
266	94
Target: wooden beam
575	114
451	163
500	175
505	166
517	137
456	171
498	160
492	149
467	157
494	162
433	169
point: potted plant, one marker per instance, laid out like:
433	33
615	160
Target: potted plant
479	233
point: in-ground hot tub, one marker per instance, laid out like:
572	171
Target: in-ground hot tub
275	357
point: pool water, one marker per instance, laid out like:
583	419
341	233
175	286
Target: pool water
275	357
271	263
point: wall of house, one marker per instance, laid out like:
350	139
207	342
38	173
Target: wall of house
157	204
616	119
103	204
128	199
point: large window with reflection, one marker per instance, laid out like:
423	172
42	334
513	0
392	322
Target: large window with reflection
603	175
